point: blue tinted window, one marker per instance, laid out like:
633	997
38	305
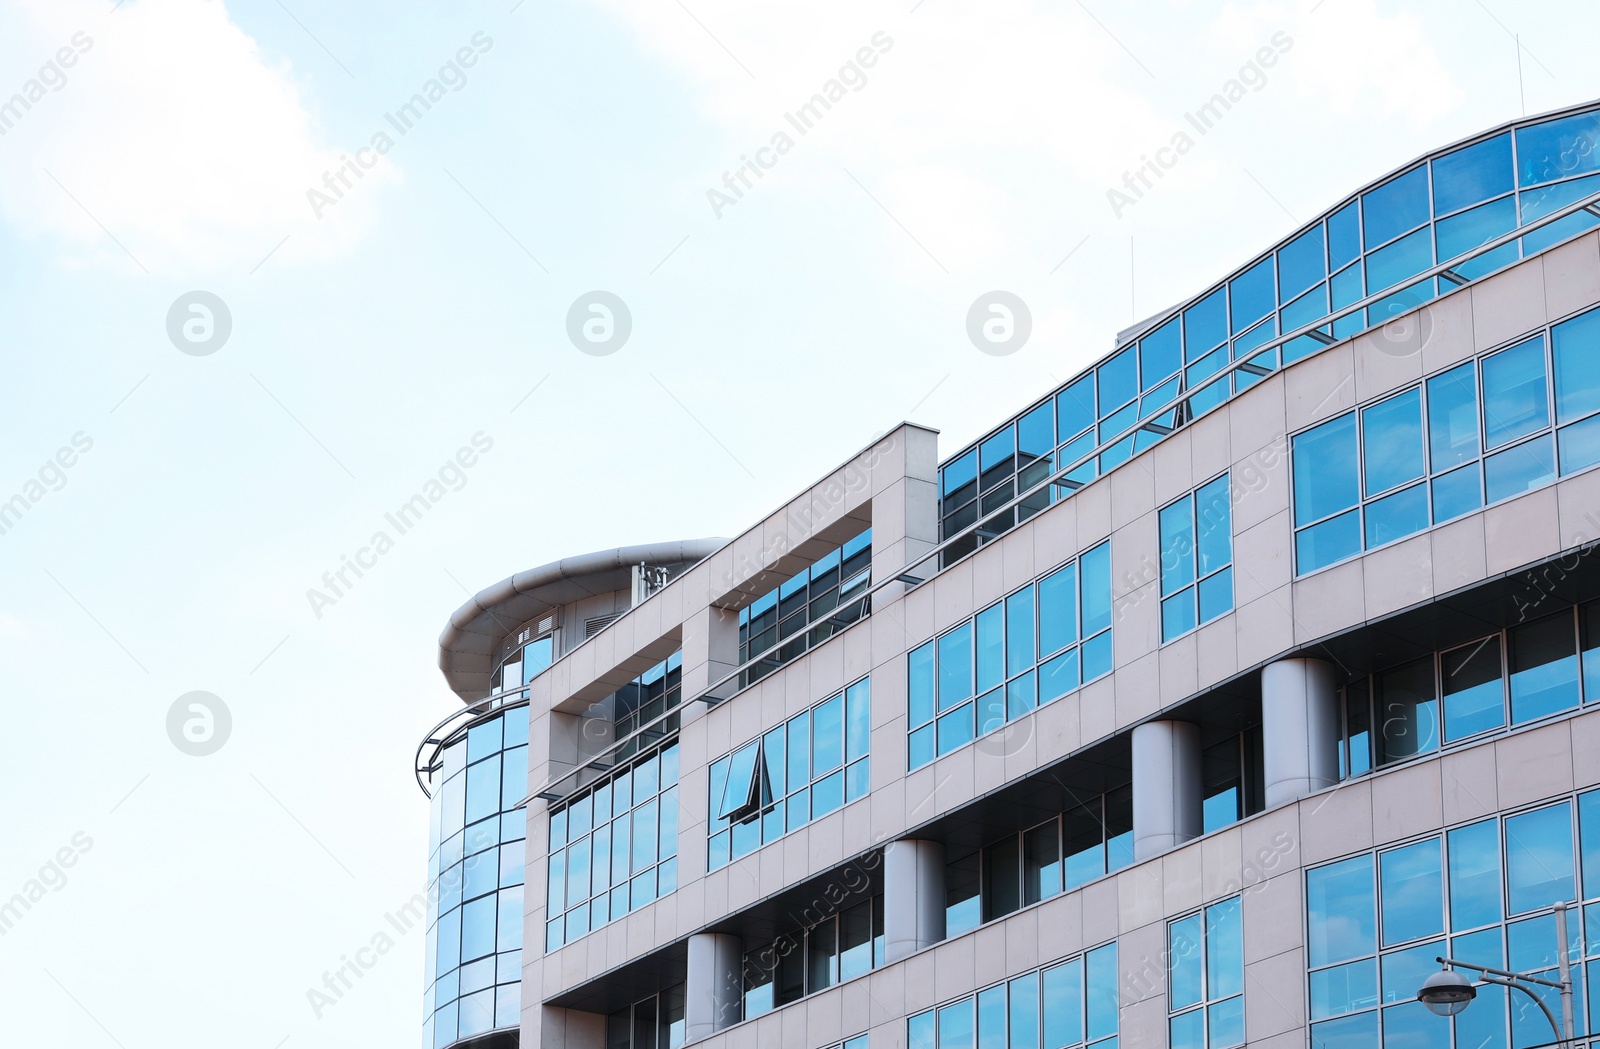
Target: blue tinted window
1063	1003
1160	353
1345	289
1349	1032
1399	205
1539	858
996	458
1456	493
1578	445
1398	262
1205	325
991	647
1100	967
1311	306
827	735
1333	540
1589	832
1326	470
1391	439
1096	568
1461	233
920	684
1214	524
1472	174
1344	236
1118	380
1177	546
955	1026
1544	668
1577	365
1397	516
1546	199
1473	689
1413	894
1341	912
1518	469
1075	407
1036	433
1301	263
960	473
955	666
1344	989
1252	295
1475	875
1224	950
1058	610
1558	149
1186	964
1020	654
1514	393
1453	417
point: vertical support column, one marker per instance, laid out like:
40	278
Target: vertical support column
713	987
1299	728
1167	787
905	505
913	896
710	651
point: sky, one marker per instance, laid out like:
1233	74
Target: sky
254	299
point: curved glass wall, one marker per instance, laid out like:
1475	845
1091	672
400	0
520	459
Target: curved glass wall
475	871
1438	209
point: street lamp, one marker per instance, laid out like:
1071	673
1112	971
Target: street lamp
1447	993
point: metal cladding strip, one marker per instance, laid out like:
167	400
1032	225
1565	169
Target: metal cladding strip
467	644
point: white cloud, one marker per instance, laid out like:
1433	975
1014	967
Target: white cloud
174	132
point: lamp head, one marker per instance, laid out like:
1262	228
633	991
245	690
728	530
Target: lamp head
1446	993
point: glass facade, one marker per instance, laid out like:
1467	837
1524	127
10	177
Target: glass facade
1481	893
1029	649
1481	432
1440	209
1196	558
1091	839
474	945
526	663
813	764
614	847
1070	1003
1543	666
643	700
655	1022
1205	978
828	596
806	960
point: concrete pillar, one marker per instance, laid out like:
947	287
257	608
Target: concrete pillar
913	896
1299	728
710	652
1167	787
713	987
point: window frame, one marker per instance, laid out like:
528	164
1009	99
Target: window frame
1549	433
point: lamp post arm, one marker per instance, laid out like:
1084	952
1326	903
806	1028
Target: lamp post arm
1548	1015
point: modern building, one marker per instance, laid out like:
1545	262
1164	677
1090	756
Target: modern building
1205	702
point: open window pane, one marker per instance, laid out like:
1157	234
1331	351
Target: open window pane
740	791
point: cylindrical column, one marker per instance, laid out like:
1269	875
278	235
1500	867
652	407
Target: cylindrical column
1299	728
913	896
713	987
1167	786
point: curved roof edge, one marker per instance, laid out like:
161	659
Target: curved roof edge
470	641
